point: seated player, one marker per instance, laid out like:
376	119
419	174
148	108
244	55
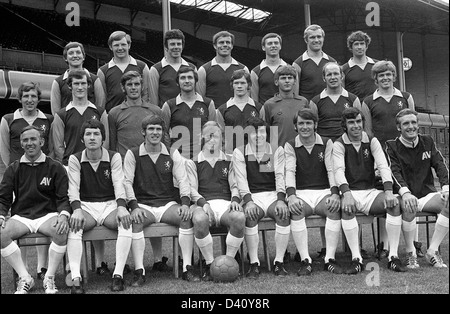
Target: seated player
158	190
97	197
259	171
311	189
411	158
214	191
355	155
35	188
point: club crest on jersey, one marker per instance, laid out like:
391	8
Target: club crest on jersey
224	172
43	128
266	166
400	104
366	153
201	111
167	165
107	174
321	157
253	113
45	181
94	117
426	155
346	105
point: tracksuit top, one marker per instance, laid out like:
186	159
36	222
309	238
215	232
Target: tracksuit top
411	166
39	188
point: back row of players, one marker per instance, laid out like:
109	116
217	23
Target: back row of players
261	174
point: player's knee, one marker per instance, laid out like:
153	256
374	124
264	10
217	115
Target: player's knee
59	239
444	212
237	219
347	216
407	216
334	215
137	227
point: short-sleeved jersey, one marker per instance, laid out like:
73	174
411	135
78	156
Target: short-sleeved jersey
359	81
166	76
310	81
113	75
330	113
66	92
263	78
179	114
218	81
382	113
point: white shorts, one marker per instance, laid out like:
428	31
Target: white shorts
264	199
158	212
312	197
364	199
421	202
34	224
219	207
99	210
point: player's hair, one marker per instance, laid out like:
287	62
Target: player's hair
254	123
73	44
350	113
285	70
306	114
78	74
93	124
153	119
207	125
128	76
118	35
32	127
383	66
183	70
27	86
358	36
240	74
404	112
326	65
222	34
270	35
173	34
312	28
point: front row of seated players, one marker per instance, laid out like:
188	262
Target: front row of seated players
150	171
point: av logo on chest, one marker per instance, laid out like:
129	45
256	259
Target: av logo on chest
45	181
426	155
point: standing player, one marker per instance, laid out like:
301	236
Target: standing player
329	104
214	76
263	83
358	70
311	189
61	94
11	127
97	197
67	123
150	171
355	156
412	156
259	173
35	188
309	65
214	191
163	74
186	114
124	128
232	115
125	133
380	109
111	73
279	110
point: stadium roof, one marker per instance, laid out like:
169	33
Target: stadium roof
258	17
